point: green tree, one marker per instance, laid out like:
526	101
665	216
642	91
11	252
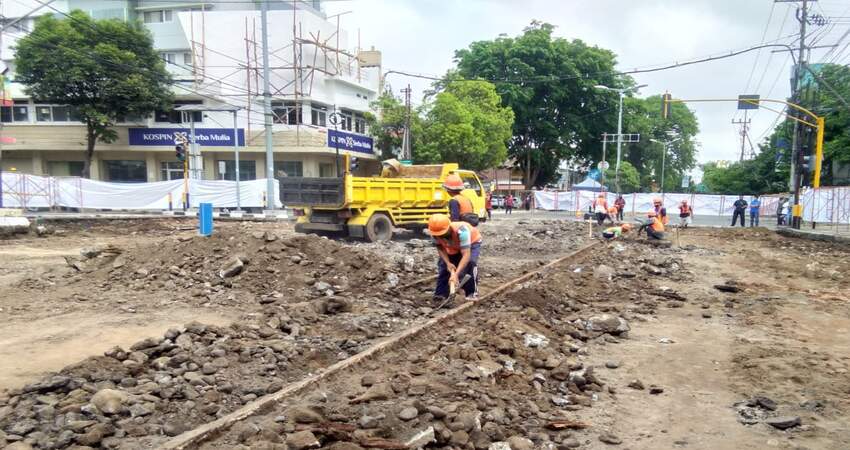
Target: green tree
387	126
466	124
629	178
548	82
104	69
643	116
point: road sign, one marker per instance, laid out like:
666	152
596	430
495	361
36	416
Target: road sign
222	167
603	165
686	181
748	102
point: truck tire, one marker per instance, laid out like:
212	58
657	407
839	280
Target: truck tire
379	228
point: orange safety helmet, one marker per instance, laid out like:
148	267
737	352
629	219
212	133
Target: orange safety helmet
453	183
439	224
656	200
626	226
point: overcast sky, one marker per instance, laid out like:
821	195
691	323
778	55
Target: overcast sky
422	35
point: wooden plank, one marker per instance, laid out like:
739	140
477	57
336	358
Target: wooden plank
192	438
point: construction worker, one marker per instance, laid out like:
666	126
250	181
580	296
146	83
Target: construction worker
612	214
459	245
660	210
654	226
685	214
615	232
460	207
600	207
620	204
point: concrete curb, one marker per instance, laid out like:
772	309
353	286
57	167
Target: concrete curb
800	234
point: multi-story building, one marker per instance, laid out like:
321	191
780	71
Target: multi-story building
214	53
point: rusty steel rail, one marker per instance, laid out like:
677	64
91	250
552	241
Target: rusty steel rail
193	438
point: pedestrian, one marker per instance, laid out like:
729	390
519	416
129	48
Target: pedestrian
786	212
755	205
460	206
615	232
620	204
509	204
740	206
660	210
488	205
685	214
526	202
459	246
780	211
600	208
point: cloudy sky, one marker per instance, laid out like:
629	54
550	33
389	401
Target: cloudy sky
421	35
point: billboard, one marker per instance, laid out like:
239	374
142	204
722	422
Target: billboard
350	141
205	137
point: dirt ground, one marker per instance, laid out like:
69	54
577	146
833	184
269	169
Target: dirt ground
714	367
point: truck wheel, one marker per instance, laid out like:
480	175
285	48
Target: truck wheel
379	228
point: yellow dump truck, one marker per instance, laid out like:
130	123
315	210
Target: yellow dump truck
370	207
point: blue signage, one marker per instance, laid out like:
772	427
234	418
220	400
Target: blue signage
205	137
349	141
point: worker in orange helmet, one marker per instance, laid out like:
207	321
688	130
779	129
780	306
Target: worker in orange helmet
654	226
460	207
660	210
615	232
459	246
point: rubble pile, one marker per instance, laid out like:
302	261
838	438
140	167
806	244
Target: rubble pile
510	374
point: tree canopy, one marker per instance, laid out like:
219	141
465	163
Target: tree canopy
105	69
548	82
466	124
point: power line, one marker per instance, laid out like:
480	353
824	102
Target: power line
758	53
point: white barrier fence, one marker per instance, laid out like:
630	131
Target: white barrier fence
828	205
33	191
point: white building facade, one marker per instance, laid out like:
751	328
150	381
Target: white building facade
214	53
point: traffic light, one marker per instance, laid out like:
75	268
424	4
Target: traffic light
665	105
354	163
181	152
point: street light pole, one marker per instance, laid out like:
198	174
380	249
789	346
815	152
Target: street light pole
619	142
663	164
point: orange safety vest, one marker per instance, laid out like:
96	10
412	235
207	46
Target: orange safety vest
464	204
657	225
662	213
452	244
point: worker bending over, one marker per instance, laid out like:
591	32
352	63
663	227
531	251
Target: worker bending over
459	245
654	226
660	210
460	207
615	232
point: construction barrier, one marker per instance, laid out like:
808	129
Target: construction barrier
33	191
826	205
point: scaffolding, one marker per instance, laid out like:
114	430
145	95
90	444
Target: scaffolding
292	70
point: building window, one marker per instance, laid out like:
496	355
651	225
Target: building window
18	112
172	116
158	16
171	170
126	171
56	113
187	58
287	112
65	168
247	170
347	119
327	170
319	115
359	124
169	57
288	169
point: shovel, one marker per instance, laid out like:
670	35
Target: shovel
453	291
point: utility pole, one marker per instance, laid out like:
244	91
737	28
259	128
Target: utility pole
802	17
604	145
267	107
745	126
406	152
